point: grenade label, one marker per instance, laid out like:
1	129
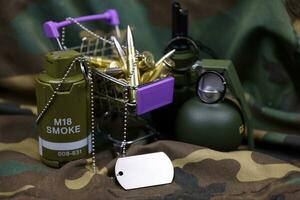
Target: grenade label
63	126
68	148
69	153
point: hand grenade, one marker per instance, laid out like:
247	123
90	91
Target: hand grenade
64	127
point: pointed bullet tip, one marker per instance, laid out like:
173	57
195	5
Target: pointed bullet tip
167	55
129	38
129	31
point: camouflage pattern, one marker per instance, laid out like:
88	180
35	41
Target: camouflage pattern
200	173
262	39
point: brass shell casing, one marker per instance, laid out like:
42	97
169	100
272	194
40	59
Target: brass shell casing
160	71
100	62
146	61
106	64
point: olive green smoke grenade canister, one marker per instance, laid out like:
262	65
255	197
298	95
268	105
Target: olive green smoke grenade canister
63	123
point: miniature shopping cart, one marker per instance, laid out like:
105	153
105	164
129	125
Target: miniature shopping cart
110	92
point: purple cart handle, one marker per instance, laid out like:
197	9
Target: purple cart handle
51	28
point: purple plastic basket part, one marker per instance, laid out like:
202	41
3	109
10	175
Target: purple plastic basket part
51	28
154	95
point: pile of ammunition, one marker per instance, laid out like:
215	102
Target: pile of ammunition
136	69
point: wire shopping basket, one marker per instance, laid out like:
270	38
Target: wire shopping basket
148	97
110	92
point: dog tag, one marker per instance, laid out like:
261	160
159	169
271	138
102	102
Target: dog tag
144	170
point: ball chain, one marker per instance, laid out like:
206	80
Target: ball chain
57	89
125	122
92	106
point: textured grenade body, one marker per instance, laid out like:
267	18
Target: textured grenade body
218	126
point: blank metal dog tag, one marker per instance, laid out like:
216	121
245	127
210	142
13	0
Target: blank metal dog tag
144	170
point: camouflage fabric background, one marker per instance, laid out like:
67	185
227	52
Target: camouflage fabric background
262	39
200	173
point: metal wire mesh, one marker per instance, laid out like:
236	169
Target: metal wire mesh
109	92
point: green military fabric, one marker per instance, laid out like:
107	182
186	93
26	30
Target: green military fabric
257	35
200	173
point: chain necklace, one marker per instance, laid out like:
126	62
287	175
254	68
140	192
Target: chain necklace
125	165
125	120
92	106
125	123
91	84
